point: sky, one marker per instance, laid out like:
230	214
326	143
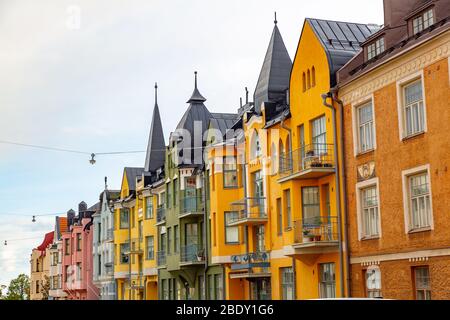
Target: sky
80	75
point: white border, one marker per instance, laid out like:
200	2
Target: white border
405	186
359	186
355	122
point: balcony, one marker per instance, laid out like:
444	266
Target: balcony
316	235
136	281
110	234
160	215
309	162
250	211
135	247
161	259
192	255
250	265
191	207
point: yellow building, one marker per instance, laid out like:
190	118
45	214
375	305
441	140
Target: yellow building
136	217
40	269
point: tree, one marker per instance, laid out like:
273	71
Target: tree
19	288
2	290
45	287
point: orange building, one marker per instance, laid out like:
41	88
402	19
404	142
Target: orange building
396	95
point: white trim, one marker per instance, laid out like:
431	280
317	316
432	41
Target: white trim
220	259
279	254
355	123
400	101
359	186
150	271
402	256
405	188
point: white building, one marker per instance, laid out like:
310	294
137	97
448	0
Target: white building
55	253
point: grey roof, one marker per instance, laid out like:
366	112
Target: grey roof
341	41
273	80
223	121
132	173
156	145
196	95
95	207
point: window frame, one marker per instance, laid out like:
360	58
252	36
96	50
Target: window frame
376	47
121	223
226	171
401	85
424	289
326	282
406	175
227	227
149	214
360	186
357	150
147	247
421	16
286	283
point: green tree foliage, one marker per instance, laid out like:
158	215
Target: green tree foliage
19	288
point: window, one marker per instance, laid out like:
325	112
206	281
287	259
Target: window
280	216
370	217
141	230
231	233
308	76
327	280
230	172
313	76
164	290
67	247
175	192
169	240
218	286
78	241
169	195
310	204
287	283
211	290
255	150
37	286
177	239
150	249
287	203
304	82
413	108
375	48
319	135
373	282
124	249
66	273
365	127
422	283
423	21
124	219
149	208
420	206
55	258
78	271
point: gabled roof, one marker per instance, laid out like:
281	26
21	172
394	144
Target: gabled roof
48	239
132	173
156	145
223	121
341	41
273	80
60	226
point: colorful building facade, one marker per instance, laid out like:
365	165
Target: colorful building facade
54	250
40	265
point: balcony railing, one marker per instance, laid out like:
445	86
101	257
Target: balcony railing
192	254
253	264
190	206
311	161
135	246
249	211
160	214
161	258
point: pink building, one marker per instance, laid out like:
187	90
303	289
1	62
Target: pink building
77	264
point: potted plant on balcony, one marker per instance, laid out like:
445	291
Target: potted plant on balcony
307	235
200	255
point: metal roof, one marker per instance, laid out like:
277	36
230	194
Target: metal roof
341	40
273	80
156	146
132	173
223	121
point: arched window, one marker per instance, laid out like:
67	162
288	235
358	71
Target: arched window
304	82
309	79
255	146
313	76
273	159
373	282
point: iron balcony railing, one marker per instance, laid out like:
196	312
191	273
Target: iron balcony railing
315	155
193	205
254	262
161	258
192	253
160	214
247	209
318	229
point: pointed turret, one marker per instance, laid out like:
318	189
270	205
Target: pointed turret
156	145
196	95
274	77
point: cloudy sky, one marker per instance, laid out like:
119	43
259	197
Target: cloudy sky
80	75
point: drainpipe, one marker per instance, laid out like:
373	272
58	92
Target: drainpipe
129	255
205	238
338	191
344	188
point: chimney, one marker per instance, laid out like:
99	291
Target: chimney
396	10
70	219
82	207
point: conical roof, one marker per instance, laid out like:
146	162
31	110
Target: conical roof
274	77
196	95
156	146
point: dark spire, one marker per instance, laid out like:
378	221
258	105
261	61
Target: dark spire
275	72
275	21
156	145
196	96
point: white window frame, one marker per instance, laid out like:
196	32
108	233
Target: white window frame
355	124
376	48
406	174
359	212
400	104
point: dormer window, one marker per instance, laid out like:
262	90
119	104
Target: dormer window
375	48
423	21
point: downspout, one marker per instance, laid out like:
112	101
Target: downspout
205	238
338	191
290	148
344	188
